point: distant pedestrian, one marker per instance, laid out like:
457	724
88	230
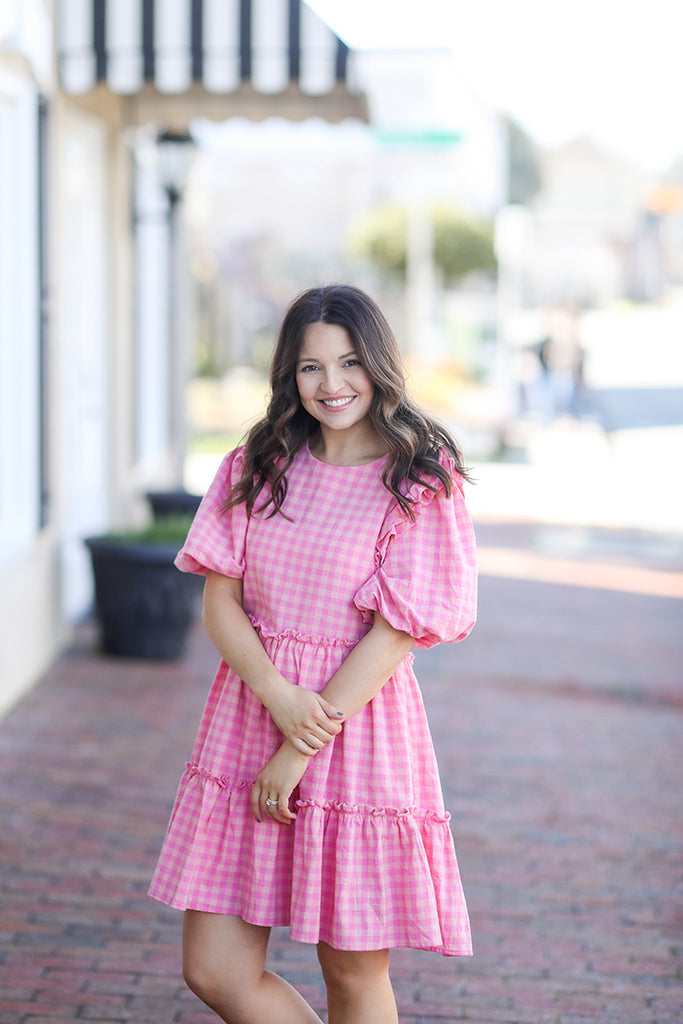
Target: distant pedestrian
559	385
540	385
333	541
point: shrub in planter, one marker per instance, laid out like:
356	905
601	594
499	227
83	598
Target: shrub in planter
144	605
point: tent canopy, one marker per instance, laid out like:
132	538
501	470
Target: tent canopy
179	59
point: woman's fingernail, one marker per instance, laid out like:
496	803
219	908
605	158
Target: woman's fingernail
341	714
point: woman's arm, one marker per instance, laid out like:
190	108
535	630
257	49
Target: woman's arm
305	718
370	664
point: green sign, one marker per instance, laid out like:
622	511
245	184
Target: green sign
417	137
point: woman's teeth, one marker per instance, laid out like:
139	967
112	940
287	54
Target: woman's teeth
335	403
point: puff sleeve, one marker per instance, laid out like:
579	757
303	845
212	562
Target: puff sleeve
425	582
217	539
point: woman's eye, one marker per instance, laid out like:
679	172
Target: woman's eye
308	369
352	362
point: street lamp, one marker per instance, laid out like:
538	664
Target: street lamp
175	152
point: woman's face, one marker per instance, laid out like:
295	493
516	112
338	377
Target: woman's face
333	386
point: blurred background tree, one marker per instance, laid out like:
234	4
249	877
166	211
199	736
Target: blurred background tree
462	245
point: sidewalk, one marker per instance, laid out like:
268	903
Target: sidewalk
558	726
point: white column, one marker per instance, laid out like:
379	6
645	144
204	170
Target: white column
152	300
19	322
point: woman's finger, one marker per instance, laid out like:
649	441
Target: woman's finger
324	726
284	814
280	811
313	738
301	745
330	710
255	800
277	808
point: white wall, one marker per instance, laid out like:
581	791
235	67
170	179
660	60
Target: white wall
19	337
28	620
82	324
82	442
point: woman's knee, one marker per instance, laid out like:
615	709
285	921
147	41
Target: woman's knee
200	980
204	978
348	973
221	955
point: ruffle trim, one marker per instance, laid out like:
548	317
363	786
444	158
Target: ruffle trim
397	522
369	810
314	639
328	806
199	771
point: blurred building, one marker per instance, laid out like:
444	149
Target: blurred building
665	201
586	220
90	355
657	265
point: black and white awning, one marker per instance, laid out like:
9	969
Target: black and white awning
269	56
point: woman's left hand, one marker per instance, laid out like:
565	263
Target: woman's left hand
276	781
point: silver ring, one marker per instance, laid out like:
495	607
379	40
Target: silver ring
271	803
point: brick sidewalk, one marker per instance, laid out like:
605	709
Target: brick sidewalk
558	729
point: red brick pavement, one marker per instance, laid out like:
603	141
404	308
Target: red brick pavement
558	729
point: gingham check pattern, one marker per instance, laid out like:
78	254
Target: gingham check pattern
370	861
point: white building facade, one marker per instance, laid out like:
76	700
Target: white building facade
88	375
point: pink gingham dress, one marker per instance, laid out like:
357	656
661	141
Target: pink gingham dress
369	862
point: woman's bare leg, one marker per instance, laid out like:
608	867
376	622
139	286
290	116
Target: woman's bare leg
224	962
358	986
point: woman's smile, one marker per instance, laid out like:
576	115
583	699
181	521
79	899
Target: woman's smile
337	403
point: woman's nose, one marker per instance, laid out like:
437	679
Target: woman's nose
332	381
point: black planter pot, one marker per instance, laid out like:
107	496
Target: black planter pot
145	606
173	503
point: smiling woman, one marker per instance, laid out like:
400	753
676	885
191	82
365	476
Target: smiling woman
333	541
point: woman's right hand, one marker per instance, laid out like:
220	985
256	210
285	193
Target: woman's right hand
305	718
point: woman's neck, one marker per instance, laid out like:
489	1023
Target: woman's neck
347	448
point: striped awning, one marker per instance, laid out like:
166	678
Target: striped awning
213	58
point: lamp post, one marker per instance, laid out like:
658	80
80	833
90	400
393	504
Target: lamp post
421	280
175	152
512	241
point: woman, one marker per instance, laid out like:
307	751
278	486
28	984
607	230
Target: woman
333	541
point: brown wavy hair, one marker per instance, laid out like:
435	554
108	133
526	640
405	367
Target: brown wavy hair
414	438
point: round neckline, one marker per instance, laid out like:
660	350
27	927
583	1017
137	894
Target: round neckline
333	465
